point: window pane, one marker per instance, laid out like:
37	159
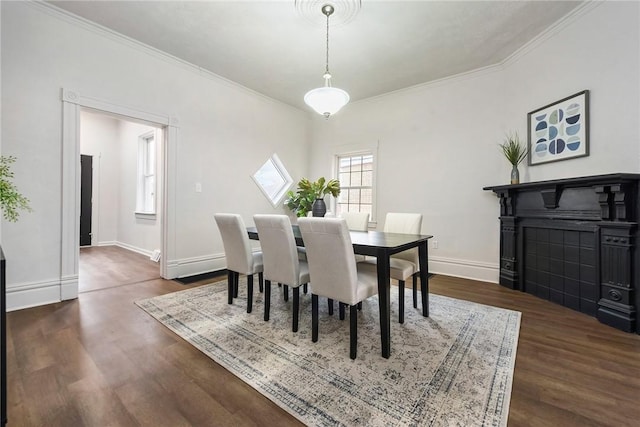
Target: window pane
367	162
345	163
366	195
273	179
356	181
367	179
344	179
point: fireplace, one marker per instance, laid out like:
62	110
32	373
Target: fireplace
573	242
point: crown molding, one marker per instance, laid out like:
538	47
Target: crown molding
100	30
552	31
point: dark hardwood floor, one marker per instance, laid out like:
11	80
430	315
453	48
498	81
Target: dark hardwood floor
108	266
100	360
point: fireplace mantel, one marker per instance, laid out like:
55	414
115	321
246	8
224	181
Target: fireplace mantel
573	241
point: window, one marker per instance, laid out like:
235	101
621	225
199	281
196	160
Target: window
146	194
355	173
273	179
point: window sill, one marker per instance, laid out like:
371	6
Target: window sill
145	215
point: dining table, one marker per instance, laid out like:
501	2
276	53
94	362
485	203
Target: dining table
382	245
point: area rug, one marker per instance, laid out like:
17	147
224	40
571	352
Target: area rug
454	368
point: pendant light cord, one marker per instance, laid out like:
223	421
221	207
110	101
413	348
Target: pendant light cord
327	65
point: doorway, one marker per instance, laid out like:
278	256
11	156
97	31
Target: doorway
86	191
73	103
120	190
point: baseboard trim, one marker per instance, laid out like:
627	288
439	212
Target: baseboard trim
69	287
465	269
197	265
33	294
132	248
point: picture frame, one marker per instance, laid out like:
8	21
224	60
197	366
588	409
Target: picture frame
560	130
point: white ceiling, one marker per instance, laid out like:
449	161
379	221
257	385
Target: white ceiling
269	47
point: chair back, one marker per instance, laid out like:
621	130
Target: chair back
405	223
356	221
279	251
332	265
235	240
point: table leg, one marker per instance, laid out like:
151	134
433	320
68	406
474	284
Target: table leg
423	252
384	297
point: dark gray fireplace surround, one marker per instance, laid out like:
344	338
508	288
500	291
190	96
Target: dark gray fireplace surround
573	241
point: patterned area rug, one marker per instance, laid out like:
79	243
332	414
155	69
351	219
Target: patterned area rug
453	368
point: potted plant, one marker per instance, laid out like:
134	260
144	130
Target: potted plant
11	201
515	152
310	196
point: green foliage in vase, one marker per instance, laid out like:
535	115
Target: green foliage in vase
513	150
11	201
302	200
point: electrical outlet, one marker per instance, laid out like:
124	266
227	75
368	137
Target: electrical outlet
434	244
198	187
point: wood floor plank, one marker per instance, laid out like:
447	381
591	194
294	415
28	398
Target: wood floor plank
100	360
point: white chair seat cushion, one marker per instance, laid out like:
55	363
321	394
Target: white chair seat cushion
367	281
304	273
257	262
399	269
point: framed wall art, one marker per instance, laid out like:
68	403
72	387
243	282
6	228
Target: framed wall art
560	130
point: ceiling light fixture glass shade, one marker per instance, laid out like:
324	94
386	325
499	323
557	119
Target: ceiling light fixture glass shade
327	100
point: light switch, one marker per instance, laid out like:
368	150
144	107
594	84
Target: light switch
198	187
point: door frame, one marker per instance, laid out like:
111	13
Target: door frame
72	103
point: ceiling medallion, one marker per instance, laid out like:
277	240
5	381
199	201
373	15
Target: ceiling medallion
345	11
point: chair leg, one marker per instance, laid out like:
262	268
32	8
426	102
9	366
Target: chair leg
267	299
415	290
285	288
236	282
330	303
401	301
353	331
305	288
314	318
341	309
360	305
296	308
261	282
249	293
229	287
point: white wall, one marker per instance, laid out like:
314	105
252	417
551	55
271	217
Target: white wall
225	133
113	143
138	233
438	143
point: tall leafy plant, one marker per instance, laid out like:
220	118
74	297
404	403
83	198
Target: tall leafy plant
11	201
302	200
514	151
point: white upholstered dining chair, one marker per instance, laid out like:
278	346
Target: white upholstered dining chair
404	264
356	221
281	260
334	271
239	255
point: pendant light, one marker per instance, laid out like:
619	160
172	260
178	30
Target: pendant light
327	100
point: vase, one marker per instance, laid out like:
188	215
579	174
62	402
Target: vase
515	175
319	208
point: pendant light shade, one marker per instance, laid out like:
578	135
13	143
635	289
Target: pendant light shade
327	100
